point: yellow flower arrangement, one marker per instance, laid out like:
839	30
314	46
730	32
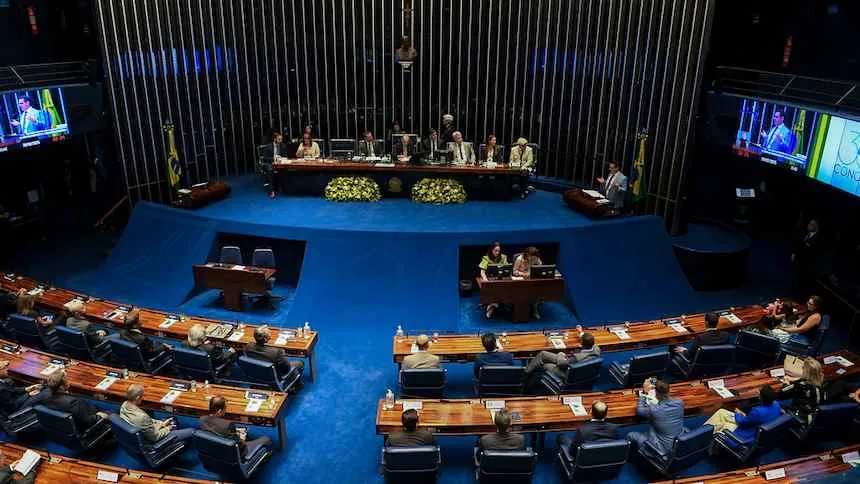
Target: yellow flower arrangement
438	190
352	189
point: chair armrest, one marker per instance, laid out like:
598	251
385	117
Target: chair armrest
731	436
20	413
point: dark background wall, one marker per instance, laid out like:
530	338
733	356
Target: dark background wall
578	78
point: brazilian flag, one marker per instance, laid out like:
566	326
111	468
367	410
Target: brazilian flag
637	175
798	128
49	107
174	168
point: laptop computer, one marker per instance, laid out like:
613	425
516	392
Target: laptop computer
542	272
499	271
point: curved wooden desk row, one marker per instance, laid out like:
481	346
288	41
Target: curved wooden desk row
802	469
642	334
104	383
154	323
55	469
551	414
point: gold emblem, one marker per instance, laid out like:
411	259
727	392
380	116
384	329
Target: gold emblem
395	185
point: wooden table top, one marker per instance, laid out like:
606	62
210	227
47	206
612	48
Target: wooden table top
550	414
802	469
510	282
55	468
343	165
217	266
28	364
643	334
98	311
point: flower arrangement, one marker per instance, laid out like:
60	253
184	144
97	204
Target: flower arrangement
438	190
352	189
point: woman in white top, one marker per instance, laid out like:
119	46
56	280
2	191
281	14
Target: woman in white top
308	147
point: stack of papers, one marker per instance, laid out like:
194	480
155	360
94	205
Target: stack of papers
678	327
777	372
106	383
168	322
283	338
170	396
733	318
621	332
593	193
575	404
558	343
416	405
238	268
236	335
36	291
852	458
774	474
719	386
254	405
50	369
29	460
107	476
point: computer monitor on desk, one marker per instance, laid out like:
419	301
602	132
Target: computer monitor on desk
499	271
542	272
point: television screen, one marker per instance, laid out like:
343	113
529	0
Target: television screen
836	155
32	117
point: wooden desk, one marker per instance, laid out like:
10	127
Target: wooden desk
520	293
59	469
152	322
203	195
579	201
803	469
550	414
27	365
309	177
643	334
233	280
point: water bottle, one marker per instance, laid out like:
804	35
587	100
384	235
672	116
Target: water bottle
307	329
399	333
389	400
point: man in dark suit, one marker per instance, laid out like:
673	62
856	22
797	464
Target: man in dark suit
131	332
711	336
493	357
432	146
7	475
410	436
502	439
558	363
369	146
665	414
448	128
595	429
84	414
269	153
14	397
258	350
804	259
217	424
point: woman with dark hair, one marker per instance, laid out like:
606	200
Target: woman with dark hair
776	313
745	425
492	151
805	330
308	147
494	257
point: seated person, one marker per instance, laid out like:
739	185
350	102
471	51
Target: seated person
492	151
410	436
522	268
805	330
665	417
493	357
522	156
494	256
84	415
595	429
258	350
369	147
7	474
745	425
152	430
75	319
463	153
131	332
217	424
421	358
557	363
502	439
404	149
216	351
308	148
841	391
710	336
25	305
14	397
806	392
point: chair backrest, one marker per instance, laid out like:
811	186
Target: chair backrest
833	416
128	354
646	366
770	435
193	363
230	254
263	258
73	343
25	329
712	360
689	448
582	375
410	460
755	347
600	460
423	381
219	454
823	326
510	464
259	371
128	435
339	146
60	426
500	380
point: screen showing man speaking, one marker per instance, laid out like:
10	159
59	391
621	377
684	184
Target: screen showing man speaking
33	117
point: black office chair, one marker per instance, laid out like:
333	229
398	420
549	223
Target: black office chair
687	449
266	258
230	254
60	427
263	373
640	367
756	350
194	364
423	382
830	419
342	148
411	464
814	347
23	420
131	439
500	381
599	460
505	465
580	377
768	436
710	360
222	456
30	333
74	343
127	354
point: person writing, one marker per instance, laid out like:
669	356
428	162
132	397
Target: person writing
308	149
494	256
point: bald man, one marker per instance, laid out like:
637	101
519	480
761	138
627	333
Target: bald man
595	429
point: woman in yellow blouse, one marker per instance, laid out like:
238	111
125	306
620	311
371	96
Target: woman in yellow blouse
308	148
494	256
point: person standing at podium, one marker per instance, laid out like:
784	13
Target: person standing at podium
494	256
614	186
404	149
308	148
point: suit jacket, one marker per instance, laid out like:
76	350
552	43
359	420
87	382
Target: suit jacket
268	152
496	358
84	414
498	155
593	430
760	414
506	441
614	188
222	427
463	156
152	430
805	250
446	132
421	359
666	419
147	347
363	150
427	146
398	149
410	439
85	327
267	353
217	353
583	355
524	160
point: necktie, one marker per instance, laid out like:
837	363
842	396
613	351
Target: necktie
25	123
275	149
609	182
370	148
461	152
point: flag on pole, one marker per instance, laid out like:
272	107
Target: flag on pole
174	168
798	128
48	106
638	173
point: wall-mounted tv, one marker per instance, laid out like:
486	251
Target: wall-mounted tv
32	117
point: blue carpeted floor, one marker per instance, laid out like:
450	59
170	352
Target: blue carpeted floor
369	267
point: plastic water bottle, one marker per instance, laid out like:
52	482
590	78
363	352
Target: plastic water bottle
399	333
389	400
307	329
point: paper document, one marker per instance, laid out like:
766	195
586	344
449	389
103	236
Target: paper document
384	165
716	383
593	193
106	383
733	318
170	396
850	456
603	201
35	291
621	333
724	392
494	404
558	343
844	362
575	404
49	370
678	327
282	338
572	400
107	476
238	268
236	335
829	360
774	474
254	405
412	405
29	460
168	322
777	372
413	348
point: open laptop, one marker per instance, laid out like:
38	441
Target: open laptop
499	271
542	272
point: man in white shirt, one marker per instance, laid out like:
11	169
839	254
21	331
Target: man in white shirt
614	186
779	138
32	119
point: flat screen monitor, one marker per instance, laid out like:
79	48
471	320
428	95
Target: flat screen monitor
32	117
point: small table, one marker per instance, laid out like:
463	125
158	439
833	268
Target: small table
233	280
202	195
520	293
580	201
